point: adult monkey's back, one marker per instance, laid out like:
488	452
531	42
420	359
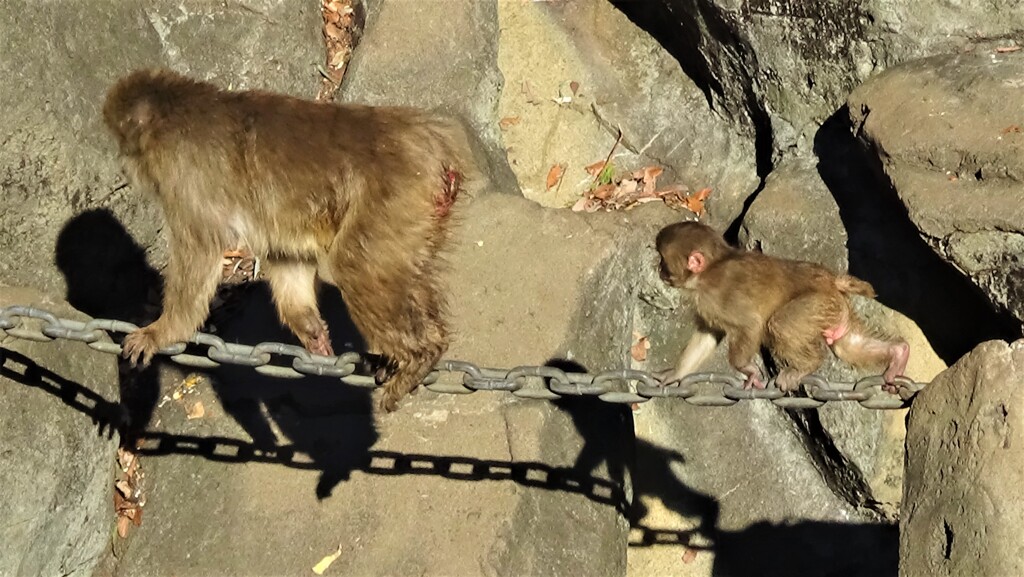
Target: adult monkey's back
358	196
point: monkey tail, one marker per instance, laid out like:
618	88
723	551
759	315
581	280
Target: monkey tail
854	286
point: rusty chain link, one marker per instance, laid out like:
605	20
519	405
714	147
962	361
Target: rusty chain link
625	386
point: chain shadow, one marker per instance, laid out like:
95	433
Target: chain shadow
805	548
22	369
107	276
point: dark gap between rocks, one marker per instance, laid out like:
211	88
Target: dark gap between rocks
678	32
886	249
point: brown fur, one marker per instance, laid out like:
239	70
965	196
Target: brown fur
357	196
792	307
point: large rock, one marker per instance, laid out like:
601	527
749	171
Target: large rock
782	68
56	159
795	216
56	471
455	485
403	59
962	516
955	155
624	80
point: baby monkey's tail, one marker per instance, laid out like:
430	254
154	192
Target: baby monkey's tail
854	286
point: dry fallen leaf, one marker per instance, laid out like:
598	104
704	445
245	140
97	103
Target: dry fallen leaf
324	563
639	349
627	186
125	458
689	555
1012	128
574	86
122	526
596	168
508	121
1005	49
124	488
555	175
196	411
651	174
695	202
333	32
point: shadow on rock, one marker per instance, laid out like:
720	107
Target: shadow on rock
302	455
887	251
107	277
323	417
808	549
606	430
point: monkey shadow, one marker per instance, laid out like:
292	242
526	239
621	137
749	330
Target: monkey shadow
886	250
805	548
609	441
107	276
330	421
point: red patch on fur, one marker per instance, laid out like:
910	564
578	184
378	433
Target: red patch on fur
443	202
835	333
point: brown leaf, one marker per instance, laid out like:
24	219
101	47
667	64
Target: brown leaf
1005	49
581	205
196	411
689	555
333	32
627	186
125	458
604	192
574	86
651	174
596	168
120	503
695	202
137	519
1012	128
124	488
122	526
555	175
508	121
639	349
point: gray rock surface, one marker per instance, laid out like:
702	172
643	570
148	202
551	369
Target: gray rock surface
56	159
624	80
449	485
405	58
56	470
954	155
783	67
962	516
795	216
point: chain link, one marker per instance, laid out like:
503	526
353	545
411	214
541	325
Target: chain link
626	386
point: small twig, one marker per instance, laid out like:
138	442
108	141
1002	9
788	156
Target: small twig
608	159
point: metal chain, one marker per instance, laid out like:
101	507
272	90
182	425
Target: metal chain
625	386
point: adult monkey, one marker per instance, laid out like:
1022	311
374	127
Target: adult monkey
357	196
795	308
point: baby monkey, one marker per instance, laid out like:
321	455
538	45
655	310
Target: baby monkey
793	307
